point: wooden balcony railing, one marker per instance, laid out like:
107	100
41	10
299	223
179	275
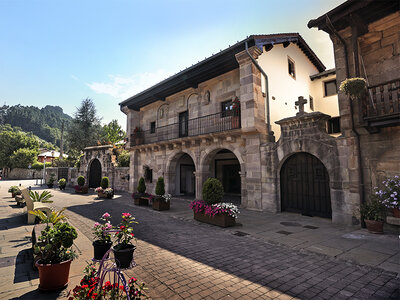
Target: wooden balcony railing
381	106
219	122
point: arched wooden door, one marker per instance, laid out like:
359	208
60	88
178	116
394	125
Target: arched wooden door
95	174
305	186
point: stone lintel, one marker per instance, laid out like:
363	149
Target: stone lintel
243	57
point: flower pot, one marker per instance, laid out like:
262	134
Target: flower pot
53	277
124	257
221	220
374	226
101	195
61	187
50	185
160	204
235	122
13	195
100	248
396	212
141	201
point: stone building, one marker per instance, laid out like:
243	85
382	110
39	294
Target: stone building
366	41
218	118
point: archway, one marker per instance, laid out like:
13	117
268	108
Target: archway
95	174
182	180
304	183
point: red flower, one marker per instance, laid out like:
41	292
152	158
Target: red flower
122	227
132	234
85	286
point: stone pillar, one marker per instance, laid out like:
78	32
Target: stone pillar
201	177
252	106
269	180
243	189
134	171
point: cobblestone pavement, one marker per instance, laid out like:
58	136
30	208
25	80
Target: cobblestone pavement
182	259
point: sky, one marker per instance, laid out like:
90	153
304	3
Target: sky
55	52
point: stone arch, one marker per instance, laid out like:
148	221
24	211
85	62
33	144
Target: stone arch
327	153
172	186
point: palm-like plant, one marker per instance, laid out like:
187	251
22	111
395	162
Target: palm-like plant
44	197
54	217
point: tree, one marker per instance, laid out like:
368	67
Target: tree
123	159
112	133
85	128
22	157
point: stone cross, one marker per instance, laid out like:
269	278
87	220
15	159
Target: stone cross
300	103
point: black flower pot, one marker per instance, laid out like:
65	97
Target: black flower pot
100	248
124	257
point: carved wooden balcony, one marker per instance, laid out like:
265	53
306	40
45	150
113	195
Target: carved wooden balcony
381	106
219	122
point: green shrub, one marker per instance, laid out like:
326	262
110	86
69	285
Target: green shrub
39	166
213	191
22	157
104	183
373	210
13	189
81	181
62	182
160	186
141	186
123	159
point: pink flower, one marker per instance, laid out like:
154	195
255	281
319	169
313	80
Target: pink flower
106	215
108	226
97	224
126	215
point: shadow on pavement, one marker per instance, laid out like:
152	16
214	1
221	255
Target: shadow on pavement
38	295
13	222
23	263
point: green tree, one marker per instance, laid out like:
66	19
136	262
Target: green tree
123	159
85	127
112	133
22	157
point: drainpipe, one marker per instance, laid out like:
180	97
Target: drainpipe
270	134
357	136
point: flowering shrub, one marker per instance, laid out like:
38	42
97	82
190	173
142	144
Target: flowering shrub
125	234
109	192
89	288
167	197
389	195
199	206
100	231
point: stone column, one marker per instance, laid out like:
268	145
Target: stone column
201	177
269	180
243	189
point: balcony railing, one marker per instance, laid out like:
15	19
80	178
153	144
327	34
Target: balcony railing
219	122
381	105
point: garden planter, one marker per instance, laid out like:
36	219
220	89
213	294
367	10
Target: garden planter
160	204
100	248
50	186
53	277
396	212
13	195
221	220
374	226
82	190
124	257
141	201
61	187
101	195
235	122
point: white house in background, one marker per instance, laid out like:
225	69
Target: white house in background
49	156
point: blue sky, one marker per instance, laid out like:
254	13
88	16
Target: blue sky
60	52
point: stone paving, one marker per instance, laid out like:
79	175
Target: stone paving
179	258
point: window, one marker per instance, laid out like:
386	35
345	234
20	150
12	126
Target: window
333	125
330	88
312	103
291	69
226	108
152	127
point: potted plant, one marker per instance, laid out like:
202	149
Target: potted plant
81	188
62	183
235	113
373	214
54	255
389	195
212	210
14	190
354	87
161	201
141	198
102	242
50	183
103	191
123	249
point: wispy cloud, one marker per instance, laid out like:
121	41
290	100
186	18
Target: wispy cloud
123	87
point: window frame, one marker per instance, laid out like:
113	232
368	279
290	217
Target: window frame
291	61
226	112
153	127
329	125
325	90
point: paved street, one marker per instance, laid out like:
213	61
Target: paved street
268	257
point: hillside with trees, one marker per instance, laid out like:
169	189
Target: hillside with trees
43	122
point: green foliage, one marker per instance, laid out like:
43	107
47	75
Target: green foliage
141	186
85	128
81	181
14	189
51	180
213	191
112	133
43	197
22	157
62	182
52	218
160	186
54	244
373	210
39	166
354	87
123	159
12	139
45	123
105	182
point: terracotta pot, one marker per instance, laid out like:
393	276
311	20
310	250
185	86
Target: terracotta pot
100	248
396	212
160	204
221	220
124	257
53	277
374	226
13	195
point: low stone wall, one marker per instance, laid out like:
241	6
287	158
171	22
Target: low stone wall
121	179
18	173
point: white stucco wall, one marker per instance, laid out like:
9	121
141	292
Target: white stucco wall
328	105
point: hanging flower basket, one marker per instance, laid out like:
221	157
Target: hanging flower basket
354	87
